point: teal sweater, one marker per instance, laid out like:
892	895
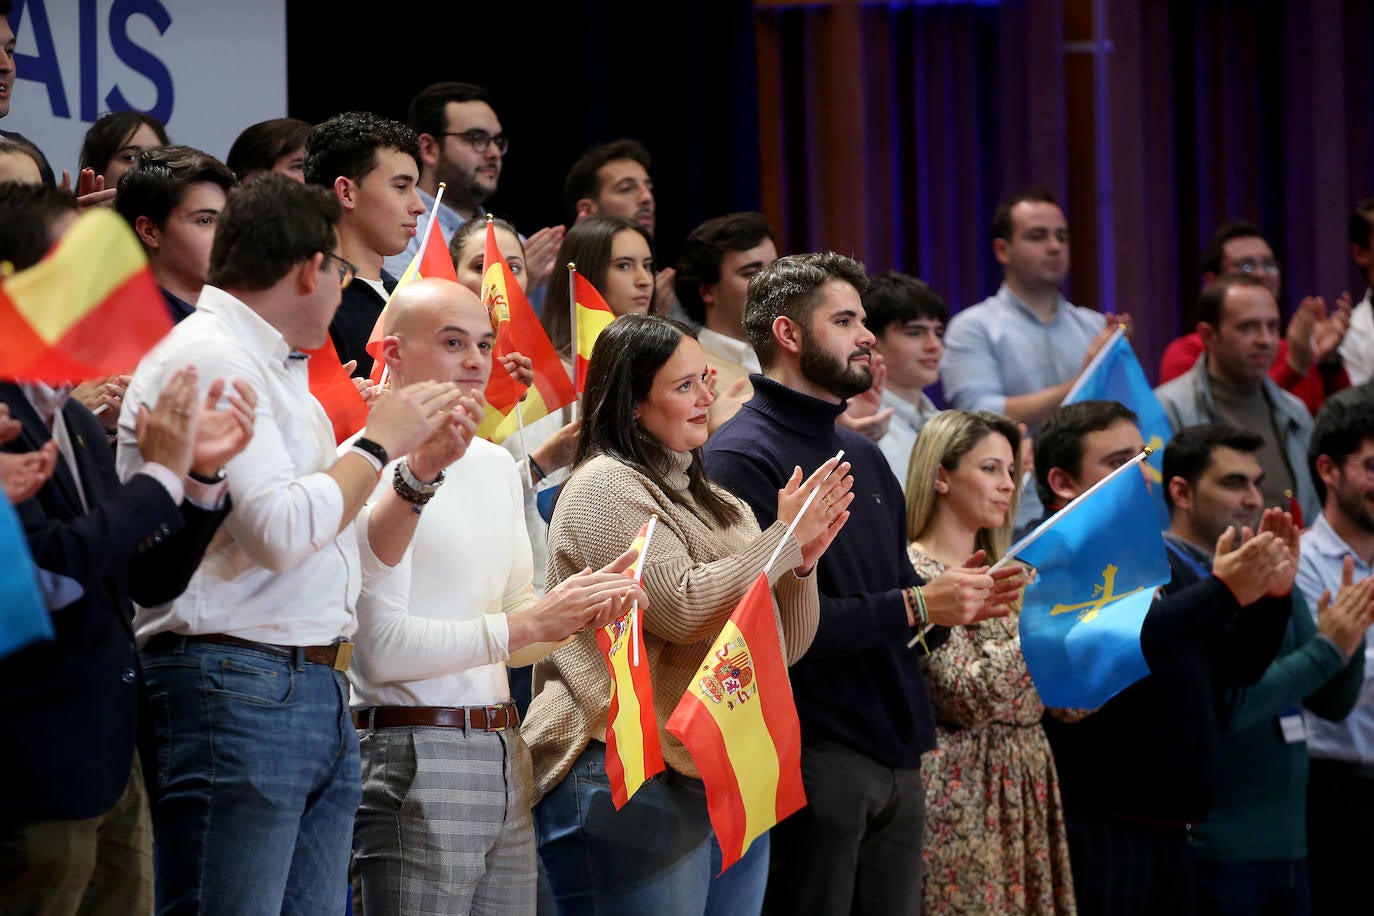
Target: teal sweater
1261	806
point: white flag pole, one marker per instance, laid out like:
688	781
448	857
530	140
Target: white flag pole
1050	523
639	576
793	526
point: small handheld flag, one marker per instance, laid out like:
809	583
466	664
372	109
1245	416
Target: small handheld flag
591	315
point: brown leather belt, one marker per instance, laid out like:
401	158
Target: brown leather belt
336	656
477	718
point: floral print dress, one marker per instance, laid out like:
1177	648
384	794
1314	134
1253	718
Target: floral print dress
994	840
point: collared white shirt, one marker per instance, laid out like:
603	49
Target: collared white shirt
900	438
279	570
434	632
1319	568
1357	347
736	351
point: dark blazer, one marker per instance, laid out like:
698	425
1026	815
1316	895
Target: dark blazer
71	706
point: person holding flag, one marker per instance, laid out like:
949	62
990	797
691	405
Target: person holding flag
430	698
994	822
644	422
1138	773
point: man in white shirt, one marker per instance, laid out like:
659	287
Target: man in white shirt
718	260
431	697
255	759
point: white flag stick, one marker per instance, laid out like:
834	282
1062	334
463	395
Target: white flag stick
572	330
777	551
1050	523
639	575
520	430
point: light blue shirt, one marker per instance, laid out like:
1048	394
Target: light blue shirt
1319	568
900	438
999	348
449	222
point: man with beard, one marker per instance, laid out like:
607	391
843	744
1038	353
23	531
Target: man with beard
463	145
865	713
1019	351
1340	801
1238	320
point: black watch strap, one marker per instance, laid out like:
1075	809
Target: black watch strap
373	449
201	478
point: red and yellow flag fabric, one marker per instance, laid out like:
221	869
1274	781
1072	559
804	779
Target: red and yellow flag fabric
739	722
89	308
633	752
335	391
431	260
517	331
591	314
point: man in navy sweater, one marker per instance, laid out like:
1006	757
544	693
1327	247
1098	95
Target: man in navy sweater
865	714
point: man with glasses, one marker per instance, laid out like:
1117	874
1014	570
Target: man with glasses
372	165
1308	361
1238	323
255	772
463	145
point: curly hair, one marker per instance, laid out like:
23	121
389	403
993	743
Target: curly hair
346	146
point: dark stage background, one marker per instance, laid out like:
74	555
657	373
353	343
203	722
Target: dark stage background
889	130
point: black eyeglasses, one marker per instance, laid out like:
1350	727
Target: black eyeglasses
347	269
1253	266
479	140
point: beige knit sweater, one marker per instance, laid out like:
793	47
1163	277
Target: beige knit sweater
695	574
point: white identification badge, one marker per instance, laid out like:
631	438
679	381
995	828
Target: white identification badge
1292	726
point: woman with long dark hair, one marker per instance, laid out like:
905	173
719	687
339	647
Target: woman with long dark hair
643	423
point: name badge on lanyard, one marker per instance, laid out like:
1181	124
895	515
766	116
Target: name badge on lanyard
1292	726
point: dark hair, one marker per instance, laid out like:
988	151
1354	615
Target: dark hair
627	356
583	180
6	7
1362	223
475	227
108	136
790	287
1059	444
27	214
705	248
1213	254
588	245
1213	295
1343	424
427	110
1001	217
896	298
160	177
18	143
260	145
268	226
1189	452
346	145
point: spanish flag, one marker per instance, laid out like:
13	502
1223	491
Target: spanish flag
517	331
432	260
89	308
591	314
739	722
633	752
331	386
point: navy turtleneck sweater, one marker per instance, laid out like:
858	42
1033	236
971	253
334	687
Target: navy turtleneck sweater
859	684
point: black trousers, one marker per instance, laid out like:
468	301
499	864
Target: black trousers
1128	869
856	846
1340	835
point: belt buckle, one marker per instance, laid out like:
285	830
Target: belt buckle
343	654
490	713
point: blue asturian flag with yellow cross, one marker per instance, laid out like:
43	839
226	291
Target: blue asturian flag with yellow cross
1097	564
1115	375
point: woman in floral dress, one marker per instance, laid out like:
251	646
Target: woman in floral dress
994	839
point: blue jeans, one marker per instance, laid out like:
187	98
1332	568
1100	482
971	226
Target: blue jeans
1266	887
256	780
657	855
